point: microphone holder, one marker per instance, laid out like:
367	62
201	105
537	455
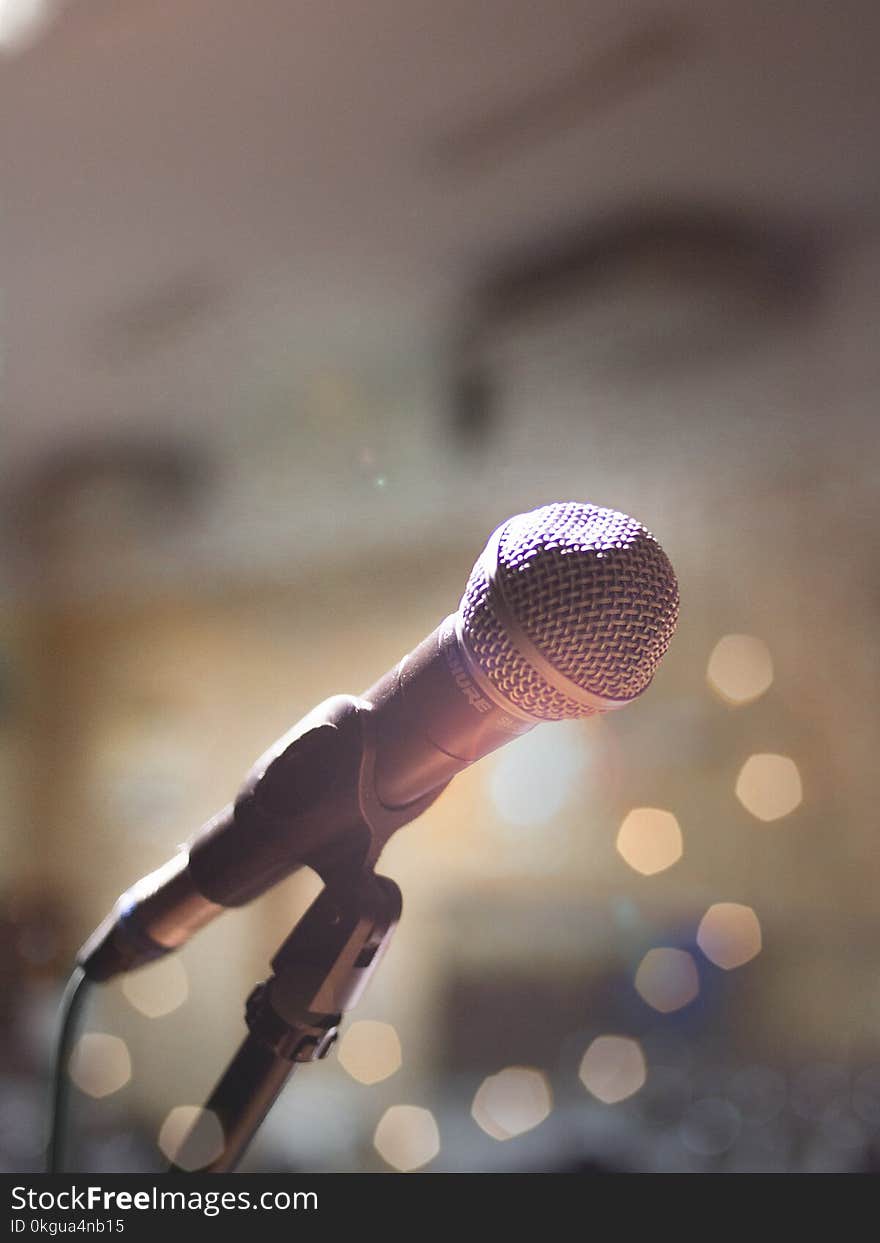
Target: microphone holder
318	974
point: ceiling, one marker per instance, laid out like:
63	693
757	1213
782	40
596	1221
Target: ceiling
254	231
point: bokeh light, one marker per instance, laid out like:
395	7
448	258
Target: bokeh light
710	1126
613	1068
769	786
649	840
759	1092
370	1051
667	979
729	934
158	989
740	668
407	1137
534	776
191	1137
484	1119
515	1100
100	1064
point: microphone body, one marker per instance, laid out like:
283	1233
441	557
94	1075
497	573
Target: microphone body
567	612
327	795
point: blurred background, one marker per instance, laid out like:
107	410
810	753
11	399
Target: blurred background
299	301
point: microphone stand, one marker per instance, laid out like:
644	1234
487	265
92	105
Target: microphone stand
318	974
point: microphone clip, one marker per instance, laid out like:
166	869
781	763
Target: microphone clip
324	966
319	973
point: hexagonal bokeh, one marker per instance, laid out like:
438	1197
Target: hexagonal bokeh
729	934
191	1137
158	989
512	1102
407	1137
370	1051
740	669
100	1064
667	979
613	1068
649	840
769	786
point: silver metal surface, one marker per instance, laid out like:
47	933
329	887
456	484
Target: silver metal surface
569	610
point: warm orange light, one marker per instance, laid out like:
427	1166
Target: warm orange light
649	840
740	668
407	1137
370	1051
769	786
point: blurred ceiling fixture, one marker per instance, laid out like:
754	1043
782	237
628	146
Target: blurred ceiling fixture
91	501
638	296
615	64
160	316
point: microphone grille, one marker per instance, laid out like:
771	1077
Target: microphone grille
589	590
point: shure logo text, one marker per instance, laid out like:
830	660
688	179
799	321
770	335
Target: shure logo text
465	685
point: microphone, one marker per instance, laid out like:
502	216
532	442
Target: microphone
567	612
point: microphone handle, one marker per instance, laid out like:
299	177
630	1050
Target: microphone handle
433	715
327	795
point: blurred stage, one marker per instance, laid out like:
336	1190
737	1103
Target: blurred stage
299	303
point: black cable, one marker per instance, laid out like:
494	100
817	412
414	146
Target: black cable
71	1003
